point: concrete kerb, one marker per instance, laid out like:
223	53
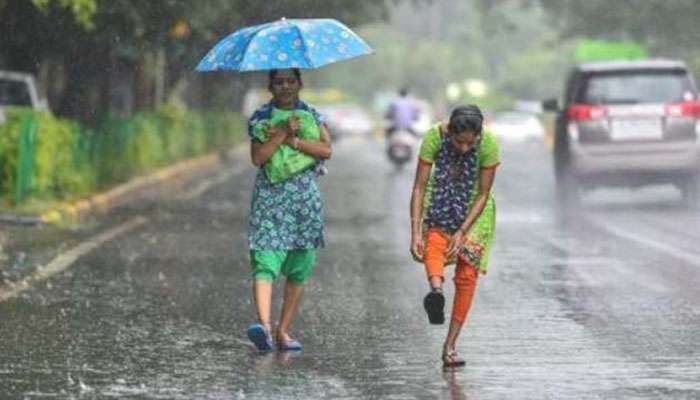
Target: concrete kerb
102	202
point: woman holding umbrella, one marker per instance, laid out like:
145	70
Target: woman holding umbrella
286	225
453	214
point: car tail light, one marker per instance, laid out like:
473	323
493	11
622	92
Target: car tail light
686	109
586	112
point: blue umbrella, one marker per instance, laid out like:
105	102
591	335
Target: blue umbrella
287	43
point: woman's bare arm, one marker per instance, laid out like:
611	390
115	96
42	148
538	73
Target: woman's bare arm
320	150
417	194
419	184
261	152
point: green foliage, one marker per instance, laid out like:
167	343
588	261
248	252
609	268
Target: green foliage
173	120
83	10
223	129
667	27
144	149
57	173
425	65
9	152
537	73
107	149
70	162
81	39
508	44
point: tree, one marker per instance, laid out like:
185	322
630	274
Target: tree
667	27
505	43
82	48
82	10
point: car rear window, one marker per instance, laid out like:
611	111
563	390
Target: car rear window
633	87
14	93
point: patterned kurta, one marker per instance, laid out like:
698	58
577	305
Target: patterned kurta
448	217
287	215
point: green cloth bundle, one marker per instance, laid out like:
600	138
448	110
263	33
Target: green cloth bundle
286	161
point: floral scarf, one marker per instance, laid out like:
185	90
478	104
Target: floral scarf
454	177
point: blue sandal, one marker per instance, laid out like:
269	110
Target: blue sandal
260	337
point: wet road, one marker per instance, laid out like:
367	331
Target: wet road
602	303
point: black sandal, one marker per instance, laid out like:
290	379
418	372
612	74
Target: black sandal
450	360
434	304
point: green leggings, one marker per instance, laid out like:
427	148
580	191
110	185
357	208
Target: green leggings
296	265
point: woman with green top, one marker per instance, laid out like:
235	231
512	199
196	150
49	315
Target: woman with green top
453	214
286	221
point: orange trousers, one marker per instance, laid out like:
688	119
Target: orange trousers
466	275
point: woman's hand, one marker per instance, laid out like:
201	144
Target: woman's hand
277	135
455	243
292	129
291	141
318	149
260	152
294	124
417	248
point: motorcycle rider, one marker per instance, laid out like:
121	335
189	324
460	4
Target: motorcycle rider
402	114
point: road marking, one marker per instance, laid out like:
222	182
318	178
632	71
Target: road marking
65	260
207	184
675	252
596	270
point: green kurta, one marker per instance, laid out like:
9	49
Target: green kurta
478	240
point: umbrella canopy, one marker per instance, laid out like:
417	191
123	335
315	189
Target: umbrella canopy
287	43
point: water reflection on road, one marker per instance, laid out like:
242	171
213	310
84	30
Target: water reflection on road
600	303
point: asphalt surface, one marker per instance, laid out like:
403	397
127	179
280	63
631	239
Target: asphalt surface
598	303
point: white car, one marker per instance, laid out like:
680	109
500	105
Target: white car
517	127
345	119
19	90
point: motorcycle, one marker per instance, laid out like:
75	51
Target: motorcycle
401	146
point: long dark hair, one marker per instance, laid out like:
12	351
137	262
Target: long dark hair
466	118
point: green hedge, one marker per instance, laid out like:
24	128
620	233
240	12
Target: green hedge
69	161
9	152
